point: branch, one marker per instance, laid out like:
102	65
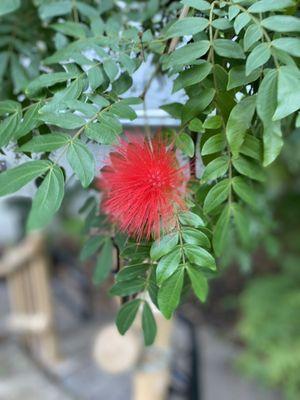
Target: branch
174	41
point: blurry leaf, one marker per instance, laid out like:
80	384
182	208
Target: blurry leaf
242	223
239	121
63	120
252	35
289	45
241	21
195	105
30	120
185	143
122	110
15	178
104	262
126	315
194	236
47	80
47	199
244	190
95	76
216	168
237	77
163	245
199	256
249	168
282	23
252	147
82	162
199	282
269	5
44	143
8	6
186	54
217	194
90	247
70	28
127	288
58	8
111	69
228	48
213	122
97	132
214	144
8	128
132	272
222	24
186	26
168	264
169	293
191	76
201	5
191	219
288	91
221	231
148	325
266	106
18	75
258	57
195	125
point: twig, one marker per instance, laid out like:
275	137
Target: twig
174	41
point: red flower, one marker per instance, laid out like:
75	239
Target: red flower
143	187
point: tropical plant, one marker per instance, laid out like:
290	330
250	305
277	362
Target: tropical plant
236	60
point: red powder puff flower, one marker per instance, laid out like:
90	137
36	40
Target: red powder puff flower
143	187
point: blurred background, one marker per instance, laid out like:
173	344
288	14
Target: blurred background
57	335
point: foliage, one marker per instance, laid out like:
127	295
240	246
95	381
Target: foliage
237	61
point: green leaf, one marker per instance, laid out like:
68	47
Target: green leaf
217	194
8	128
191	219
191	76
30	120
82	162
126	315
288	96
163	245
195	105
58	8
258	57
47	80
185	143
111	69
221	231
47	199
228	48
15	178
148	325
8	6
168	264
216	168
269	5
249	168
63	120
233	12
169	293
195	125
282	23
70	28
214	144
104	262
252	35
186	26
9	107
132	272
127	288
239	121
252	147
122	110
289	45
95	76
90	247
201	5
242	223
241	21
44	143
186	54
237	77
97	132
214	122
199	282
222	24
199	256
194	236
266	107
244	190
